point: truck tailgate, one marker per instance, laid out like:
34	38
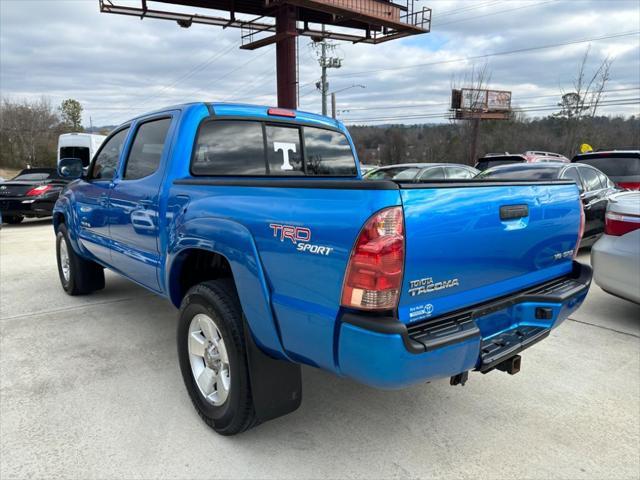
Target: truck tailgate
467	243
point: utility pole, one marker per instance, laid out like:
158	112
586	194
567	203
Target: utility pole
325	63
333	105
325	86
334	112
475	133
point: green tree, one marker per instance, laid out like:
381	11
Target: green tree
71	113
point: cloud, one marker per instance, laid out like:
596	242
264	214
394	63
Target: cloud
119	66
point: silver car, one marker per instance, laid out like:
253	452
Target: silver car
420	172
616	256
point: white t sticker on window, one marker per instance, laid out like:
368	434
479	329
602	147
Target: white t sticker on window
286	148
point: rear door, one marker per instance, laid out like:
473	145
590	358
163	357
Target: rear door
594	200
133	204
92	197
466	244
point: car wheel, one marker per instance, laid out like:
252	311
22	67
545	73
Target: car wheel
78	276
13	219
213	357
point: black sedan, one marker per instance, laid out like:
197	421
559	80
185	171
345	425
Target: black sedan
419	172
595	188
32	193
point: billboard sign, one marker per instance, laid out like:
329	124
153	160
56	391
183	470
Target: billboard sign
498	100
480	100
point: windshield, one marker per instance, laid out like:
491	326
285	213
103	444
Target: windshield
76	152
396	173
520	173
613	165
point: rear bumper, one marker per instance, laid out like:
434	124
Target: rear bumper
27	207
385	353
616	262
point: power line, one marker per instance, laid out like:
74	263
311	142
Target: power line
493	13
456	11
252	59
200	67
531	108
422	105
487	55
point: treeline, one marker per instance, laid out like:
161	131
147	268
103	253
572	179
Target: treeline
29	133
451	143
29	130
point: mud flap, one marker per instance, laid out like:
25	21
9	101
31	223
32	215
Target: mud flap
276	385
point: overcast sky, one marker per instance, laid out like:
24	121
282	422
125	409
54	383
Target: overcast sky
119	67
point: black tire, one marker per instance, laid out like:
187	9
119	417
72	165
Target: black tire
218	300
85	276
13	219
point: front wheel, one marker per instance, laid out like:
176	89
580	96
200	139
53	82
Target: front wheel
213	357
78	276
13	219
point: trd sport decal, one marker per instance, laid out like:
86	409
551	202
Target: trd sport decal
300	237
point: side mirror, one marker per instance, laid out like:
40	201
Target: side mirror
70	168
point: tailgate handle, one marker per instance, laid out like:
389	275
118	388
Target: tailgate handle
512	212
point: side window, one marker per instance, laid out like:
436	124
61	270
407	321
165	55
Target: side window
591	180
573	174
229	148
284	154
435	173
106	162
457	173
328	153
604	181
146	150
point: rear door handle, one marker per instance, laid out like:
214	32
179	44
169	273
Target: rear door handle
513	212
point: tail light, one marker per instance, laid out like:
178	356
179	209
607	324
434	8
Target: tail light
629	185
580	232
281	112
616	224
373	277
34	192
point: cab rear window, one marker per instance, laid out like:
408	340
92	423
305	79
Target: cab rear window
253	148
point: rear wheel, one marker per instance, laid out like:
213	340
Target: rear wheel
213	357
77	275
13	219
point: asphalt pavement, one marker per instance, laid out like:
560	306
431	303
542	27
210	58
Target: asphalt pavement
90	388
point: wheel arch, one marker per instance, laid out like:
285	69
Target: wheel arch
228	250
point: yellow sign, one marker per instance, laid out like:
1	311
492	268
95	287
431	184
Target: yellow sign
585	147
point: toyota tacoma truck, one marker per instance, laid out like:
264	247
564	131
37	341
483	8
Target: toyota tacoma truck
256	223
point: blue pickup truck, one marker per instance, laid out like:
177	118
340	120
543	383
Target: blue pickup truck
257	224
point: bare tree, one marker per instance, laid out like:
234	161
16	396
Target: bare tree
584	100
474	81
28	133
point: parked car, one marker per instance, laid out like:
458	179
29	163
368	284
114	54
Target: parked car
416	172
496	159
32	193
540	156
279	254
621	166
616	256
594	186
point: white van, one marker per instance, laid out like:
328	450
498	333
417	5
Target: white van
79	145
